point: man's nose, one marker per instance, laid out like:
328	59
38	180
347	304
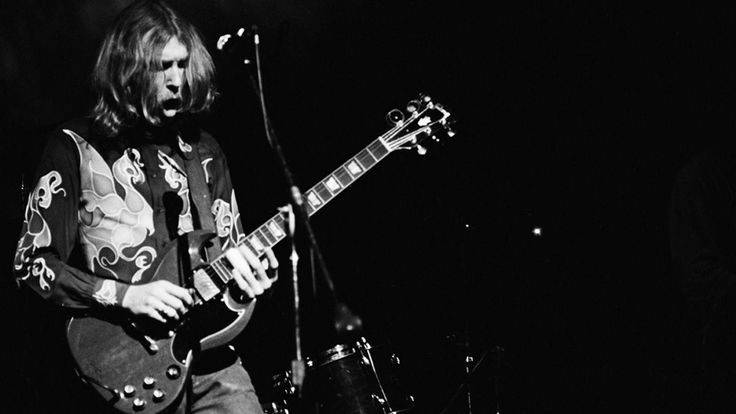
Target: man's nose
174	79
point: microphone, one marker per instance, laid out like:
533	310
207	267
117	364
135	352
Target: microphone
240	44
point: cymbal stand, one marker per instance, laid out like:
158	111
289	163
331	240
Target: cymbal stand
473	366
468	362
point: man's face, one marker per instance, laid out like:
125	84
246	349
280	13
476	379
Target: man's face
170	80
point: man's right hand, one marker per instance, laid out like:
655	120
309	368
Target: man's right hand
160	300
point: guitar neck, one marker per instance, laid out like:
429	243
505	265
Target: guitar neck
273	230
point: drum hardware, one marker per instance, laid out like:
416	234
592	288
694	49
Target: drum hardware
275	408
356	378
381	401
283	384
471	366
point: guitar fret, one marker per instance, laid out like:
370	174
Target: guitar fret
354	167
262	239
276	229
314	200
266	232
332	184
366	159
228	266
323	192
221	271
377	149
343	176
249	245
281	222
255	244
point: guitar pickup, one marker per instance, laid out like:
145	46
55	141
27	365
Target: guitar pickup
203	284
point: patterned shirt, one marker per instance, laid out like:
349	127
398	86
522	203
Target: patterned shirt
118	203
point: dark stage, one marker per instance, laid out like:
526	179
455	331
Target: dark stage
572	119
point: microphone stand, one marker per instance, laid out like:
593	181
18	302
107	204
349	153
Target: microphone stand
345	320
298	369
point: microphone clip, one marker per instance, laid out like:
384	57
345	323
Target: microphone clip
239	44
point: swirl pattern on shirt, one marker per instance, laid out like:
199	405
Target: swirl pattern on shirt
177	180
36	233
227	217
106	295
113	226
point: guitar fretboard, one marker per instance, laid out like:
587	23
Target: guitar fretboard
273	230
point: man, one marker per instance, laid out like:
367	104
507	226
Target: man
114	189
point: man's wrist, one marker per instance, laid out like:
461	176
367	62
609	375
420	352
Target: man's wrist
110	292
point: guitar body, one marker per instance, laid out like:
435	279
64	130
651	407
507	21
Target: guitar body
143	365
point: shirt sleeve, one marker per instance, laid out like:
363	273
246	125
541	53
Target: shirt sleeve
703	231
49	234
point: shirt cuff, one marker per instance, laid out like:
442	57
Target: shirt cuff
109	292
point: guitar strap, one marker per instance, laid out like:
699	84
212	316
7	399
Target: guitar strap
200	197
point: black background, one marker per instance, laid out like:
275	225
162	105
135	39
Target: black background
570	117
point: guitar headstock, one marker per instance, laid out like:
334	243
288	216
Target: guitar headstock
422	123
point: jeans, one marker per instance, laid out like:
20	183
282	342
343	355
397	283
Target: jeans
226	391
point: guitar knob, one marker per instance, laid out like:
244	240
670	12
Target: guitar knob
159	395
149	382
421	150
139	404
129	390
173	372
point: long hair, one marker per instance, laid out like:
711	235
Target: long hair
125	72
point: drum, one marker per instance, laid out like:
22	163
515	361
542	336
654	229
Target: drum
275	408
281	394
356	379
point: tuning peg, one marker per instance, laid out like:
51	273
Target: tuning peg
394	116
421	150
450	133
427	98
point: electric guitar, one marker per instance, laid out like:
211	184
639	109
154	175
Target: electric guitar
140	365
